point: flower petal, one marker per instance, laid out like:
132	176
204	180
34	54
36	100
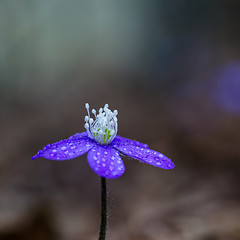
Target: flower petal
66	149
146	155
125	141
106	162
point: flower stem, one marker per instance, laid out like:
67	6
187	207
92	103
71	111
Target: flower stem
103	226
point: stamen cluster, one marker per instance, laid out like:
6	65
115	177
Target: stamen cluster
104	128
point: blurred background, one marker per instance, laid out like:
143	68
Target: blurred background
171	68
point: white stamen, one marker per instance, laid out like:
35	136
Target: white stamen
87	107
104	128
90	120
115	112
94	113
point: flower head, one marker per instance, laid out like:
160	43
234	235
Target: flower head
104	146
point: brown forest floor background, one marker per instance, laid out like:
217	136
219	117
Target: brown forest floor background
199	199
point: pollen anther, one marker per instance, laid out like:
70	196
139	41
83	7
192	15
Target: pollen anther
104	128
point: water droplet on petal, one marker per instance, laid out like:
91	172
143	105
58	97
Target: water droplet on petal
111	168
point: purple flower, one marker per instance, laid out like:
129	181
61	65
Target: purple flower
104	146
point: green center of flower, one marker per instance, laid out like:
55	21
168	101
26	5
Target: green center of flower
104	128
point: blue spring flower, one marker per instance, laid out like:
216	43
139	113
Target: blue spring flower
104	146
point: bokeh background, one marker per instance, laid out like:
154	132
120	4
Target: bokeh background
171	68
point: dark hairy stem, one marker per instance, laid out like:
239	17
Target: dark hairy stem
103	226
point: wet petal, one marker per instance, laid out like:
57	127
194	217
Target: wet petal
66	149
125	141
146	155
106	162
